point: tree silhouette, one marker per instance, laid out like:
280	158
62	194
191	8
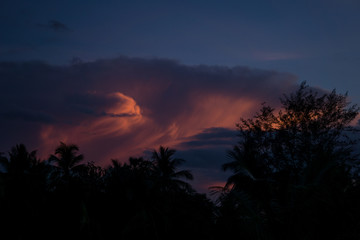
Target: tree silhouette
20	160
309	129
137	199
119	179
291	162
23	187
165	169
67	161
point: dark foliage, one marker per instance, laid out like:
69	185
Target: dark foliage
295	172
63	197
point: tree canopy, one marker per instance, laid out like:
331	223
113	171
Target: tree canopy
295	167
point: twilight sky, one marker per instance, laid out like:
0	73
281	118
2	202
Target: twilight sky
121	77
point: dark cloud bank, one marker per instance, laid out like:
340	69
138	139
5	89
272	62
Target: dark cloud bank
121	107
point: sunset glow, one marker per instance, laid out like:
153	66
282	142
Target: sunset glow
189	119
180	75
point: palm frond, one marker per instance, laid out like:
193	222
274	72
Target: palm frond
53	158
77	159
182	185
177	162
183	174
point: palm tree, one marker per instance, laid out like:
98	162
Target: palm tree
243	164
165	170
20	160
22	187
67	160
140	164
133	179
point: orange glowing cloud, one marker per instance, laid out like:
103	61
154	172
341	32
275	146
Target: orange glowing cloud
117	119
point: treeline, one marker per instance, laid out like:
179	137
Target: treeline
295	175
62	197
295	171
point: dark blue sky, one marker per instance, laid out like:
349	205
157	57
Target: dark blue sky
317	40
179	73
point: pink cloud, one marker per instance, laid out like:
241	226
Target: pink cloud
121	107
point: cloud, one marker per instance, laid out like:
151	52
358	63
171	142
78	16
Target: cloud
116	108
114	104
276	56
210	137
55	25
26	115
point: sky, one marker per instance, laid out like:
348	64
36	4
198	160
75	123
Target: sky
120	78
